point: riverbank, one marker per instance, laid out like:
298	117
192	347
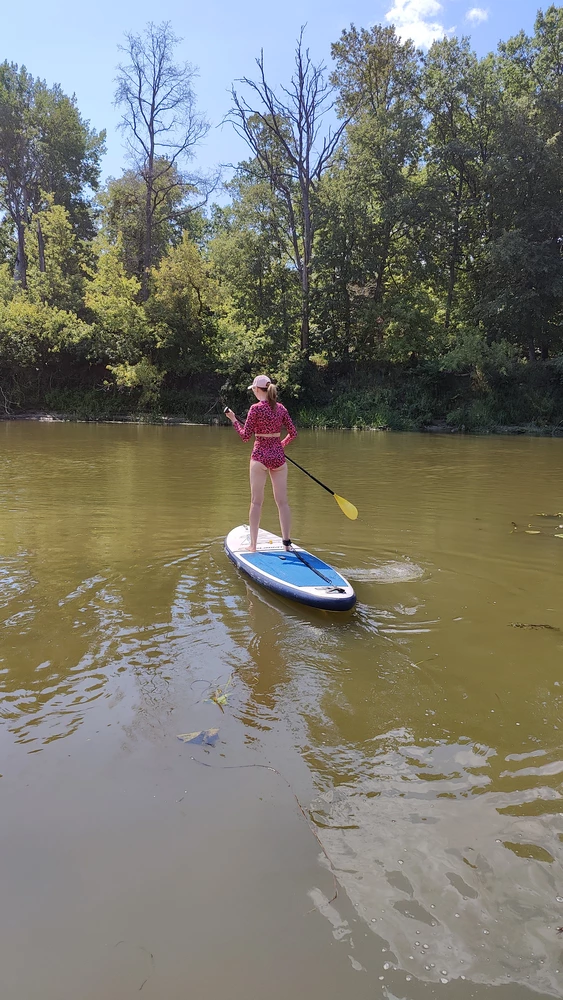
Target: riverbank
527	399
173	421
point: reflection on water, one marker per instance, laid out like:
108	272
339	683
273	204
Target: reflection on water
430	726
426	850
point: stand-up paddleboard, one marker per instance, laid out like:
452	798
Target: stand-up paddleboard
296	574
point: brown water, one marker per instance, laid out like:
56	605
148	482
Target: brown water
422	734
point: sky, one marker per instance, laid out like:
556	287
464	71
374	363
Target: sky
76	45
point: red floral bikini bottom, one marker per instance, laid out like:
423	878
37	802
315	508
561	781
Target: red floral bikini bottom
269	452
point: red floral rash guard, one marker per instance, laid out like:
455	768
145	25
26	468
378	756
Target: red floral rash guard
262	419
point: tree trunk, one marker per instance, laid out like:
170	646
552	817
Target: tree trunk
20	270
454	256
382	269
306	267
451	285
305	314
147	250
41	247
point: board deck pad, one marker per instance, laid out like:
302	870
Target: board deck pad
287	566
297	573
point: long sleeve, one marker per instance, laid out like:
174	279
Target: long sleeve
247	431
292	432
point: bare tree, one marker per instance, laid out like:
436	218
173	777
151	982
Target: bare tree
160	120
287	139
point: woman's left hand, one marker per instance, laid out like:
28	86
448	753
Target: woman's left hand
230	416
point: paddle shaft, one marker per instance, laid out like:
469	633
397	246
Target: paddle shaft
308	565
314	478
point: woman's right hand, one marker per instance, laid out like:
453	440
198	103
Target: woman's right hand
230	416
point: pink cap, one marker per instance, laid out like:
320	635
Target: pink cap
260	382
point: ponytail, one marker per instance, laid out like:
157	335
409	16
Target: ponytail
272	395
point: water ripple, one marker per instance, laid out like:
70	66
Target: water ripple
396	571
445	876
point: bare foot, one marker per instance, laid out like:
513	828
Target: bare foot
249	549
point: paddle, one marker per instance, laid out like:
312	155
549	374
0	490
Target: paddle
345	506
312	568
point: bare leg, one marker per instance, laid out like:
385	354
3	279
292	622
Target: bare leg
279	486
258	475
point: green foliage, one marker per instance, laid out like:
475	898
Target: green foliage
8	286
120	331
44	146
89	404
431	289
470	354
123	213
181	308
252	260
143	376
523	290
31	332
55	258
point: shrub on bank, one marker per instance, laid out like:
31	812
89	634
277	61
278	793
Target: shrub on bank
396	397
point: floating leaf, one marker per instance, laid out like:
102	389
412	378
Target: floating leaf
528	532
209	736
558	536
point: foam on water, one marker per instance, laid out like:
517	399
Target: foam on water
396	571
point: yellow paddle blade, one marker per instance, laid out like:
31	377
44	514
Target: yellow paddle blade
346	507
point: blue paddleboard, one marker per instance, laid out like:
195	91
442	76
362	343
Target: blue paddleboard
296	574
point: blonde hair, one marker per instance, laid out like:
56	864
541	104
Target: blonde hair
272	395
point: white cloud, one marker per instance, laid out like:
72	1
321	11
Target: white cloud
416	19
476	15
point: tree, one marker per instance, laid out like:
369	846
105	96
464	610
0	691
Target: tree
519	291
123	205
184	298
160	122
522	292
367	239
45	146
55	260
533	67
287	140
379	82
252	255
462	98
119	329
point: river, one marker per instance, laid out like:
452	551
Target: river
380	811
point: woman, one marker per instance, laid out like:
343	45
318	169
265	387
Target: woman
265	420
